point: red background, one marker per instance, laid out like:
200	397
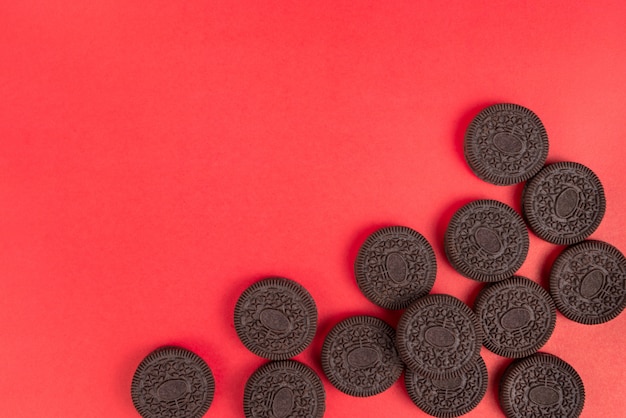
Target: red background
156	158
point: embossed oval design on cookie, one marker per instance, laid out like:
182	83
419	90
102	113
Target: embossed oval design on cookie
363	357
507	143
448	384
440	337
543	395
566	203
488	240
171	390
274	320
282	405
591	283
515	318
396	267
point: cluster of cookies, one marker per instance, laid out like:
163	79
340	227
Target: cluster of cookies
438	338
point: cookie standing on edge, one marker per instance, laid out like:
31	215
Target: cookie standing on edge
285	388
564	203
276	318
172	382
486	240
359	356
506	144
395	266
517	317
588	282
541	385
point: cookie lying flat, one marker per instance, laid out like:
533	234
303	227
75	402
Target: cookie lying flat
172	382
588	282
395	266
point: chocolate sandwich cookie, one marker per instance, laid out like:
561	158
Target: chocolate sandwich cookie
359	356
395	266
564	203
506	144
541	385
281	389
517	317
486	240
447	398
172	382
588	282
276	318
439	337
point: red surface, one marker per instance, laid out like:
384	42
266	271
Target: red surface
158	157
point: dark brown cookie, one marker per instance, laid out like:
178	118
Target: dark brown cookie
395	266
486	240
564	203
447	398
439	337
172	382
506	144
541	385
517	317
359	356
588	282
281	389
276	318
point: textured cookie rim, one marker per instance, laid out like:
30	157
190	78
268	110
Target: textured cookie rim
299	367
339	327
365	285
475	163
309	305
533	220
463	268
554	281
404	353
170	351
481	299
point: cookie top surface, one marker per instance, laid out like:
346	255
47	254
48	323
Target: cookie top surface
172	382
439	337
447	398
564	203
517	317
359	356
541	385
486	240
276	318
395	266
506	144
281	389
588	282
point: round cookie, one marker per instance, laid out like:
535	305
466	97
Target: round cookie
172	382
588	282
276	318
486	240
395	266
439	337
564	203
285	388
517	317
541	385
506	144
359	356
447	398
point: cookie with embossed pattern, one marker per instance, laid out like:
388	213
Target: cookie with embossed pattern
395	266
517	317
564	203
541	385
486	240
281	389
276	318
447	398
172	382
439	337
506	144
359	356
588	282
